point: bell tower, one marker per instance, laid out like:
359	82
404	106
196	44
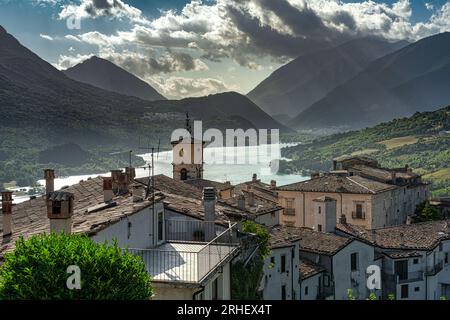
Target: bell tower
187	156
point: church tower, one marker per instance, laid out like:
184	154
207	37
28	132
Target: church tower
187	156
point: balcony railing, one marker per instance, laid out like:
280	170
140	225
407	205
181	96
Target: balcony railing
189	262
192	230
289	211
358	215
406	278
434	269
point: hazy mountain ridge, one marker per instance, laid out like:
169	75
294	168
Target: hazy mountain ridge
397	85
106	75
305	80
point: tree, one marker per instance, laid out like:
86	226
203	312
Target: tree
426	212
38	269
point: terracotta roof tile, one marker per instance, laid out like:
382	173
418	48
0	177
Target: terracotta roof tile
308	269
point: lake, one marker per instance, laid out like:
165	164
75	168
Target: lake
257	160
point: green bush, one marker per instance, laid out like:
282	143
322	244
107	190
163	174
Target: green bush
37	269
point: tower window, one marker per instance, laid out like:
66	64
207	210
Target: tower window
183	174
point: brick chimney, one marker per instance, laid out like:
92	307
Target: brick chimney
7	212
60	211
209	203
49	176
107	189
120	182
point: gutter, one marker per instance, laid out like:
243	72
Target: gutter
197	293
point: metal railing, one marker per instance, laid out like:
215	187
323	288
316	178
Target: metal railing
434	269
289	211
405	278
188	262
358	215
191	230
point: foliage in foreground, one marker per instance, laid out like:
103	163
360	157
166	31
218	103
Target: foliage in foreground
37	269
426	212
246	278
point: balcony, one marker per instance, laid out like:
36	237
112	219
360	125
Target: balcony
289	211
404	278
358	215
435	269
189	261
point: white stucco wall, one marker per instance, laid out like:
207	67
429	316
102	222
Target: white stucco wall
312	284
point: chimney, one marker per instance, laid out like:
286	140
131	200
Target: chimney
273	184
241	202
315	175
138	192
402	239
343	219
7	212
131	174
49	176
250	198
255	177
209	203
107	189
60	211
121	181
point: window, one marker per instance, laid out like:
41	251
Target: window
283	263
320	209
283	292
359	213
319	228
272	260
416	261
401	269
404	291
416	289
446	258
183	174
289	209
56	207
354	261
160	226
129	230
306	290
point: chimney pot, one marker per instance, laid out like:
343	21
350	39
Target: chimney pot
107	189
273	184
60	211
49	176
209	203
255	177
7	212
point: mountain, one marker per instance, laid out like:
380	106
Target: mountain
415	78
43	108
421	141
106	75
307	79
224	105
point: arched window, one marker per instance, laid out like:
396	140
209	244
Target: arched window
183	174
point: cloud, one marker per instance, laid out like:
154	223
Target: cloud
46	37
116	9
65	62
245	30
181	87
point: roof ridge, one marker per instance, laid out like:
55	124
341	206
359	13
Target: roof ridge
364	187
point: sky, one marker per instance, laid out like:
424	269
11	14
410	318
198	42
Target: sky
189	48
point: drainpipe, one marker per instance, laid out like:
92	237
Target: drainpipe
292	273
304	210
